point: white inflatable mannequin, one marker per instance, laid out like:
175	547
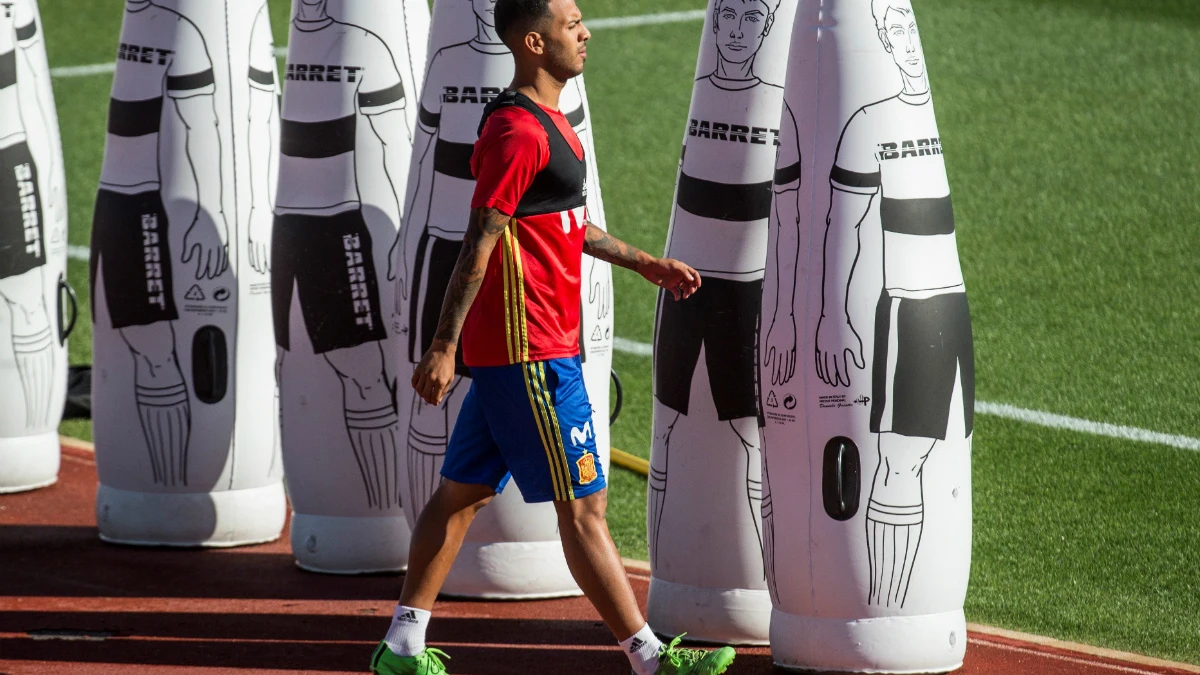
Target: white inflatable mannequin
186	445
867	369
33	221
349	113
512	550
704	464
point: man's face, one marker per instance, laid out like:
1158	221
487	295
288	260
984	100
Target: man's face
900	38
485	10
565	40
740	26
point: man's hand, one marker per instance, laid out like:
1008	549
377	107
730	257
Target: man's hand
836	339
435	372
781	349
678	278
600	290
211	260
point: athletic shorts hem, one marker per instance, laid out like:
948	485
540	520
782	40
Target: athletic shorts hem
541	497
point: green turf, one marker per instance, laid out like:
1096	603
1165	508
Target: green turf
1071	129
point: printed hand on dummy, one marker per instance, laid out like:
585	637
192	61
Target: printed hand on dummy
211	260
836	338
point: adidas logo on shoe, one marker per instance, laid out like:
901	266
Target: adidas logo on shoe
636	645
408	617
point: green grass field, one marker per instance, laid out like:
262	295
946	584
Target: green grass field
1072	131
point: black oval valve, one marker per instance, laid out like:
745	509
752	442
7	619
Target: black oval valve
210	364
840	478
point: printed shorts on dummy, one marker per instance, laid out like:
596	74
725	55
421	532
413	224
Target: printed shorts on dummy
920	346
22	232
439	256
531	422
130	241
328	260
723	316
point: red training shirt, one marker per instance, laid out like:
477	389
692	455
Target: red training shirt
527	308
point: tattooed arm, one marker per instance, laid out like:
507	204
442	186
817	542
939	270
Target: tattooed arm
673	275
435	372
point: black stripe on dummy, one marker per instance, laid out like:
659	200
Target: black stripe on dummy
27	31
740	203
559	186
373	99
263	77
8	69
917	216
429	119
198	80
788	174
314	140
453	159
576	116
854	180
134	118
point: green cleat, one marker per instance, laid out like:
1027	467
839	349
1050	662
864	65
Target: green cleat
673	660
428	662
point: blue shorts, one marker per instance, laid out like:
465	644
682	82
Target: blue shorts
531	421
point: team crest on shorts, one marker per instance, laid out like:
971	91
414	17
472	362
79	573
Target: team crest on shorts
587	468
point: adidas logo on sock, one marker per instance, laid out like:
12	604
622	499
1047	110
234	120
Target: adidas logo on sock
636	645
408	617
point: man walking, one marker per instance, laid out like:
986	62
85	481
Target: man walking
521	256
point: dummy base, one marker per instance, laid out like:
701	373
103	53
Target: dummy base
350	544
28	462
727	616
928	643
206	519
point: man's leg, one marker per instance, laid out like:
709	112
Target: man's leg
32	343
895	516
371	420
162	399
595	563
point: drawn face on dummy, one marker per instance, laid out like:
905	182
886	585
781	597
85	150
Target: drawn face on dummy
485	11
740	27
898	32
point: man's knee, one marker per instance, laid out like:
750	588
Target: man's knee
154	341
362	363
583	514
458	497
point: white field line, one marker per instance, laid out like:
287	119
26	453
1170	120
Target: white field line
594	24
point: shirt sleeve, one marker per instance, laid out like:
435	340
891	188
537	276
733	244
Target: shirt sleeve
262	53
787	162
512	149
190	72
25	23
856	168
382	89
430	113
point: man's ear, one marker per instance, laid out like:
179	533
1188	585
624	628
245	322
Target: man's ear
716	13
883	37
770	22
534	43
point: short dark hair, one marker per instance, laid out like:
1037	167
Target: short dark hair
515	18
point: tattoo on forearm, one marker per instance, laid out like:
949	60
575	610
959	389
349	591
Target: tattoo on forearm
482	234
600	244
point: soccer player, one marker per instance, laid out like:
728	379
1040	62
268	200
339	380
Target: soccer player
22	214
163	74
514	297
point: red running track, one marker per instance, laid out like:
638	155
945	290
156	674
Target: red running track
71	604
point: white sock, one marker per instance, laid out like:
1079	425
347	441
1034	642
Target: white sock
406	637
642	650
